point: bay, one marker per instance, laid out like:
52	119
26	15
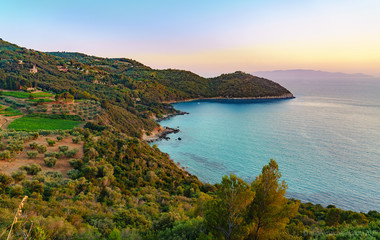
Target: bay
326	141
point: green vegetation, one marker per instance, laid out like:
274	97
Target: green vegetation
9	111
35	123
19	94
50	161
131	94
32	169
32	154
56	116
38	100
5	155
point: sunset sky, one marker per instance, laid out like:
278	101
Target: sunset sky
207	37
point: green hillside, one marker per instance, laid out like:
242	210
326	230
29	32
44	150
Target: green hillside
122	83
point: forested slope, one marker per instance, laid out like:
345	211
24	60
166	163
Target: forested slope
122	82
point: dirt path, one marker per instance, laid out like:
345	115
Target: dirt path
5	121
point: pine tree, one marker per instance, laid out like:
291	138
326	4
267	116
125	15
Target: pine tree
270	211
225	215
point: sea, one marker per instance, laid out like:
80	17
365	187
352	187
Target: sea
326	141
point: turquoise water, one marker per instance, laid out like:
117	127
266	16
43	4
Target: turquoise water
326	141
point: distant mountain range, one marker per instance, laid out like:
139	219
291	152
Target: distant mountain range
307	74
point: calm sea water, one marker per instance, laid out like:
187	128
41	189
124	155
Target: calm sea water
326	141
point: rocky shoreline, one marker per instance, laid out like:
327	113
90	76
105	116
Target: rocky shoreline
171	115
160	135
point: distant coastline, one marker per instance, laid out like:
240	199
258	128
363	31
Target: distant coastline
223	99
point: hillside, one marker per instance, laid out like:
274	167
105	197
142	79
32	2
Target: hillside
137	91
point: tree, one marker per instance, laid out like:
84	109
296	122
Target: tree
270	211
225	215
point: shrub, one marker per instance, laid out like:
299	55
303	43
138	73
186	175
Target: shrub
75	133
53	174
50	154
5	155
41	148
59	138
16	190
33	145
50	142
44	132
50	161
71	153
76	163
35	135
5	181
19	175
73	173
17	146
54	154
63	148
32	154
76	139
32	169
59	154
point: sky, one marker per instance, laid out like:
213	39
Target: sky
208	37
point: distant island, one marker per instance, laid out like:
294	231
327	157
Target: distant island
308	74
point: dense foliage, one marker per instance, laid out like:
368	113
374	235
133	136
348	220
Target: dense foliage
124	189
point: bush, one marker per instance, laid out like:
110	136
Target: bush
33	145
76	163
71	153
16	190
17	146
50	161
54	154
59	154
59	138
32	154
63	148
5	155
32	169
50	154
44	132
41	148
19	175
73	173
76	139
5	181
53	174
50	142
35	135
